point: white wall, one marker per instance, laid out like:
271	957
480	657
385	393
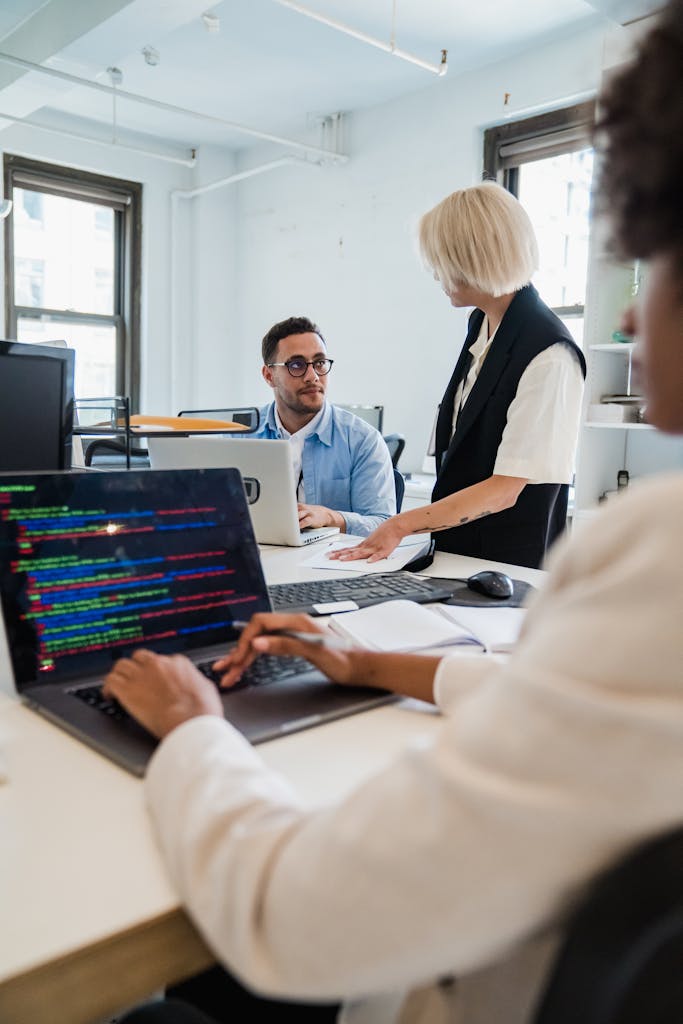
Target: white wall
337	243
207	352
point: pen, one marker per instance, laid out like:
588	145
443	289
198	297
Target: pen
320	639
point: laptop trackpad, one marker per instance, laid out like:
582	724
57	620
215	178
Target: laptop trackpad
263	713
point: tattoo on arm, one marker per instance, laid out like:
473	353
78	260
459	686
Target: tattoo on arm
436	527
461	522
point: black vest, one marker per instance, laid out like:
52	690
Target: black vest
522	533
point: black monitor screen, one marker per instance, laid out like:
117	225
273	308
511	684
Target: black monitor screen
36	407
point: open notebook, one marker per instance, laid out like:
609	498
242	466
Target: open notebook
406	626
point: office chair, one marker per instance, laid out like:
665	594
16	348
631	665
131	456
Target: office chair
111	453
621	961
395	443
400	484
247	416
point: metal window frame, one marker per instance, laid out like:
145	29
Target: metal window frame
125	198
508	146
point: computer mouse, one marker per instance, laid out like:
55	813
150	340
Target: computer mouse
493	584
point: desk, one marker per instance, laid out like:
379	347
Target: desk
90	920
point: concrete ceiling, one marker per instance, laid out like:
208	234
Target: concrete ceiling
268	67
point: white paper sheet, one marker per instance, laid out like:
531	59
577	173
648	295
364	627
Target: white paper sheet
409	548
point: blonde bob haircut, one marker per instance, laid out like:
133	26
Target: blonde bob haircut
480	237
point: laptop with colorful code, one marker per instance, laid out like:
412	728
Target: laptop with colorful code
96	565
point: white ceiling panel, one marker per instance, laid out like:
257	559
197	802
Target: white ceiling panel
268	67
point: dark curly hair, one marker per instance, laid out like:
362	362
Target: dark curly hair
292	325
639	136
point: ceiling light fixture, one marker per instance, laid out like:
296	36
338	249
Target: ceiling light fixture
152	56
212	23
390	47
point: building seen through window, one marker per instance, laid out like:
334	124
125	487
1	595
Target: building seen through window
555	192
547	162
73	262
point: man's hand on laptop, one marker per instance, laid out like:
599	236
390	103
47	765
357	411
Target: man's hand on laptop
160	691
315	516
263	635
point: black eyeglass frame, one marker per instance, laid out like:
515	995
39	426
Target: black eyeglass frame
308	362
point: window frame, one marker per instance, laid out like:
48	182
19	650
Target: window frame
565	130
125	198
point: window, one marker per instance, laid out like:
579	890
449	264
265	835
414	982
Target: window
547	162
72	253
30	280
31	204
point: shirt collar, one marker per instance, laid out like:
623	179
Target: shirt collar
321	424
481	346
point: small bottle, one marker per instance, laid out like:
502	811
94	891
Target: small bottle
622	478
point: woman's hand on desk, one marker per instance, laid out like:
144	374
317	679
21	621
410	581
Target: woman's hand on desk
161	692
379	544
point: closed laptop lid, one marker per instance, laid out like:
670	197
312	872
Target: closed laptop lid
96	565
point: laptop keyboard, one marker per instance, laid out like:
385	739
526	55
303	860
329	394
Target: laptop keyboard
267	669
372	588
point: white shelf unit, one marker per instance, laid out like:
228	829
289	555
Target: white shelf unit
606	448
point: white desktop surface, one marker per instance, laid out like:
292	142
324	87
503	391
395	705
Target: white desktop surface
91	922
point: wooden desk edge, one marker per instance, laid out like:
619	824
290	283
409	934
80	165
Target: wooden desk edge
87	985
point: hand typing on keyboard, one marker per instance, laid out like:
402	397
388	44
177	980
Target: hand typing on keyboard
258	637
161	692
408	674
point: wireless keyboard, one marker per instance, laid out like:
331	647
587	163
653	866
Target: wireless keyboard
323	597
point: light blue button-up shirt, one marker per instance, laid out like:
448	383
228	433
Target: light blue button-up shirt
346	467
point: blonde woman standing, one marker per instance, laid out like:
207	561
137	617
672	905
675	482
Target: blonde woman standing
508	421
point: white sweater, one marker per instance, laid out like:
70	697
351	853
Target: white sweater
463	856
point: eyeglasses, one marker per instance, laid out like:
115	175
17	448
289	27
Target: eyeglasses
298	366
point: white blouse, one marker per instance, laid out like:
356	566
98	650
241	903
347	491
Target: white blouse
539	440
461	857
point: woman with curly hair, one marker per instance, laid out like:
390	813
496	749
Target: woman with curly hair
465	857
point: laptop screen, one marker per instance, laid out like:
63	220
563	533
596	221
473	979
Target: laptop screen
96	565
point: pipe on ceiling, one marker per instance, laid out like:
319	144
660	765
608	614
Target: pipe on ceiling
390	47
113	90
183	161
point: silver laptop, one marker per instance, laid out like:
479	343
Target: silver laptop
268	473
96	565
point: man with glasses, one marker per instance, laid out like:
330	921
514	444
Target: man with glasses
341	463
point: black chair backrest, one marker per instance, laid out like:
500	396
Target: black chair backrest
395	443
622	959
400	485
109	452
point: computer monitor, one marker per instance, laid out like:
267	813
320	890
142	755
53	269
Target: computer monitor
372	414
36	407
